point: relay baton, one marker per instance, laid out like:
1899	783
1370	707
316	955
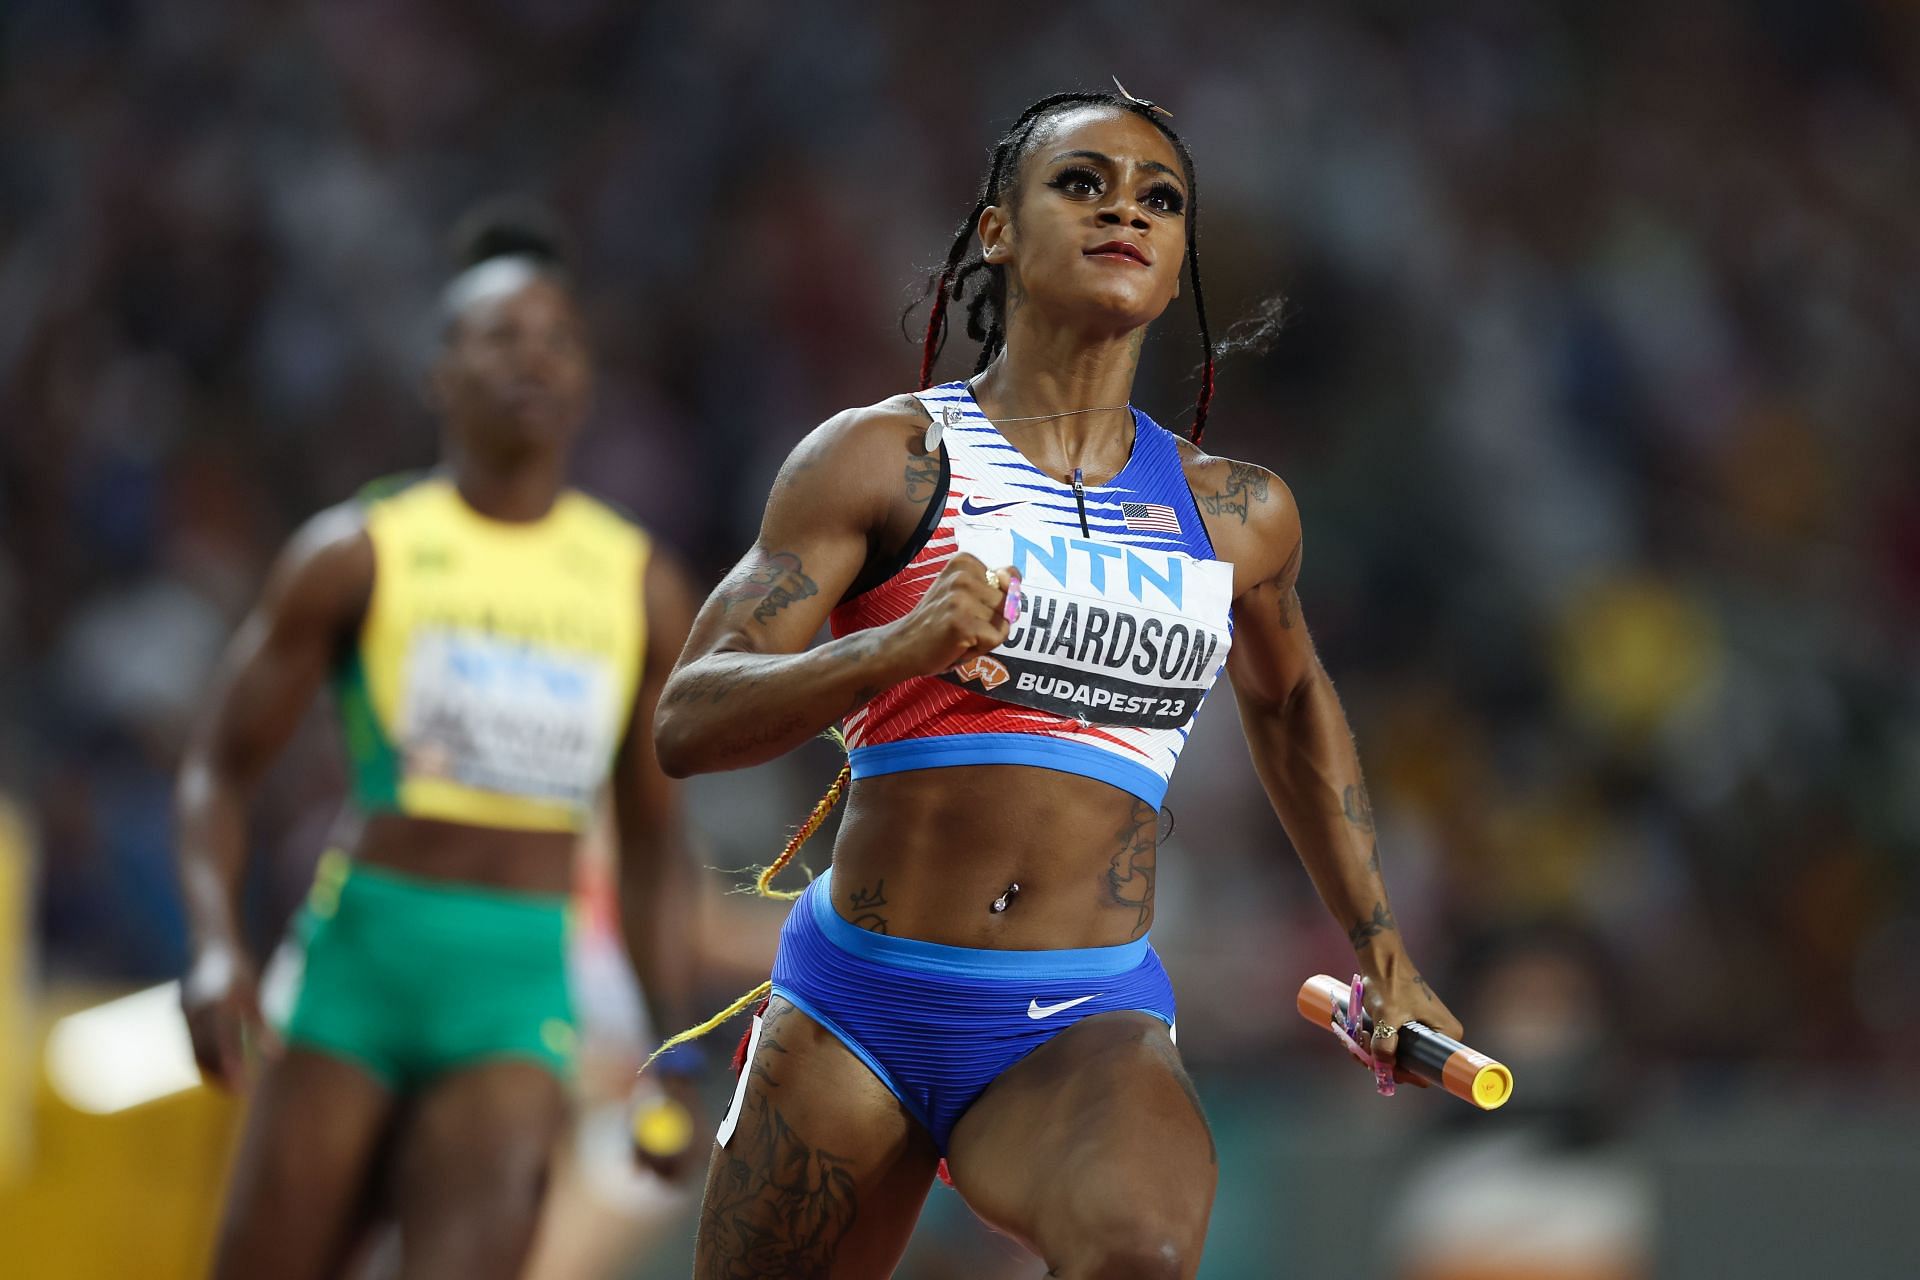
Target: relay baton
1423	1053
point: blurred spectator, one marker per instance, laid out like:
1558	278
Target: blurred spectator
1554	1193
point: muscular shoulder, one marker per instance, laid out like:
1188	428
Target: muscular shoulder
336	537
325	573
867	462
864	434
1249	511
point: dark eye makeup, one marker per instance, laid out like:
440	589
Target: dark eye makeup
1078	180
1168	197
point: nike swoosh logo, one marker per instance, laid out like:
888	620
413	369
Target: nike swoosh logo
967	507
1037	1011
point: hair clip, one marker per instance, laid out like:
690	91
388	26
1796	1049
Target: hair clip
1140	102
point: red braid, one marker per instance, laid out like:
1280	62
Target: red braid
1206	399
936	321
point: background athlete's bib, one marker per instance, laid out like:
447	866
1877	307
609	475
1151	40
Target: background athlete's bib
502	716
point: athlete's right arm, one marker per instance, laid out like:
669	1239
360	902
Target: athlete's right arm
747	688
316	595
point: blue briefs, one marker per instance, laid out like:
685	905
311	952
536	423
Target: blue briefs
938	1024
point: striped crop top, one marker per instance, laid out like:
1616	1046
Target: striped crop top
1126	625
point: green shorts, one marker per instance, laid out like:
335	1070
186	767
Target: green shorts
413	978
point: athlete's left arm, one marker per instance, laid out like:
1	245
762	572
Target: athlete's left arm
1303	749
657	881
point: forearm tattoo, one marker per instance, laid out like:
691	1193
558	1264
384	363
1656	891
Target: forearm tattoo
1130	874
757	737
698	686
777	580
1365	931
1358	806
1245	486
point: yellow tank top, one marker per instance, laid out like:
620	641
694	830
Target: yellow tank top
495	672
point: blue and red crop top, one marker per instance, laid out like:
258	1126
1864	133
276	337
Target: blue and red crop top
1126	625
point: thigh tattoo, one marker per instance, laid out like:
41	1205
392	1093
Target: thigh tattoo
775	1206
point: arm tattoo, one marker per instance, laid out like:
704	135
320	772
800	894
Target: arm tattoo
760	736
863	645
923	470
1421	983
1130	874
775	1205
1245	485
777	581
866	904
1373	859
698	686
1289	608
1357	805
1363	933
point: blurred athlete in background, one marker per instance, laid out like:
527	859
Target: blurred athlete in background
496	643
1031	587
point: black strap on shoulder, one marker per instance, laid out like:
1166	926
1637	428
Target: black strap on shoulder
878	572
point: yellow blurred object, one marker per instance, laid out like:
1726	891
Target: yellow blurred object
662	1127
1634	650
16	860
135	1192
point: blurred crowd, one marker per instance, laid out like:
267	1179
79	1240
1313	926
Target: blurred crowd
1598	399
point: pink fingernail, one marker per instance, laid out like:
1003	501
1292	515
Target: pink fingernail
1013	600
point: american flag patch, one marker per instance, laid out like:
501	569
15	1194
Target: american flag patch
1149	517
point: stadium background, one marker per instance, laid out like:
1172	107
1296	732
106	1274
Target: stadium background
1598	399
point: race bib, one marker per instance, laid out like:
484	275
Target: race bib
1108	634
503	716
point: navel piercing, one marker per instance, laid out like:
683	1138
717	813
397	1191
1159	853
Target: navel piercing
1000	903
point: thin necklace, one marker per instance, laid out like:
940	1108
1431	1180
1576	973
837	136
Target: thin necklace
1064	413
939	424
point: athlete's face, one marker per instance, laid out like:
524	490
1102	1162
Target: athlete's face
515	375
1096	228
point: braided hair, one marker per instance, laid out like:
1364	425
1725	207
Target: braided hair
966	270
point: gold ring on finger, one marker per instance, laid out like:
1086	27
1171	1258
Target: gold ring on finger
1381	1030
993	579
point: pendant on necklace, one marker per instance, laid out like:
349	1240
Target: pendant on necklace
938	427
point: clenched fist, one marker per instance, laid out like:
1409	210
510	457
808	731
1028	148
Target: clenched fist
962	615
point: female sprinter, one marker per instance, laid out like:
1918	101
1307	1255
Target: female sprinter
496	643
973	979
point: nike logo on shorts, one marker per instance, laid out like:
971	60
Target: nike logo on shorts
968	508
1037	1011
